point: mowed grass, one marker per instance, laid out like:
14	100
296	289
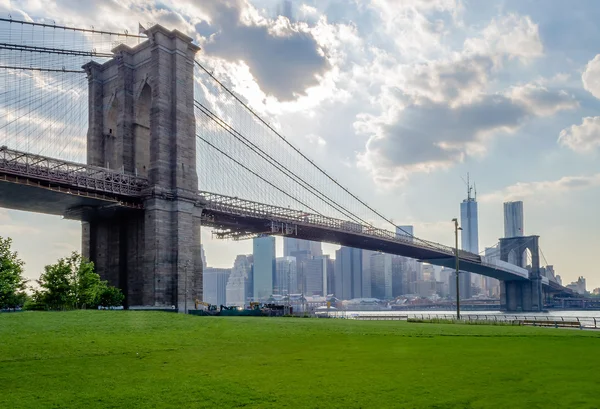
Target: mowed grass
121	359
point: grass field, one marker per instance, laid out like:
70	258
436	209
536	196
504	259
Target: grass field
87	359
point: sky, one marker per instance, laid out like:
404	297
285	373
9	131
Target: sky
398	100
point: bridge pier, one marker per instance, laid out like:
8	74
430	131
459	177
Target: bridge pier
141	121
522	295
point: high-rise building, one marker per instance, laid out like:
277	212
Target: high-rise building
239	285
492	285
578	286
406	231
315	276
203	257
214	283
348	273
413	274
381	276
469	236
399	276
513	219
330	276
286	280
428	272
426	288
292	245
366	288
406	269
264	267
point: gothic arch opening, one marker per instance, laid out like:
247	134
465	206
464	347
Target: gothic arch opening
512	257
526	259
141	132
110	136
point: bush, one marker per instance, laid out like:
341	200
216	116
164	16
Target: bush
111	297
33	304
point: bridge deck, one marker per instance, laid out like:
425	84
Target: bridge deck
28	196
238	217
45	170
40	184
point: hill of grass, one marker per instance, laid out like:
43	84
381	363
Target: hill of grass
121	359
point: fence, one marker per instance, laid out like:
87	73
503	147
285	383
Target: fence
584	322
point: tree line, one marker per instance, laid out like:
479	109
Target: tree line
70	283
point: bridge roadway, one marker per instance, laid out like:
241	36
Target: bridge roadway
40	184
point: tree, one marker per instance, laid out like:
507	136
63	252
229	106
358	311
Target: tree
56	291
72	283
12	283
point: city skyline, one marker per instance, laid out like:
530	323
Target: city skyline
542	149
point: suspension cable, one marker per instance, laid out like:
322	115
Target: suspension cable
84	30
278	165
298	151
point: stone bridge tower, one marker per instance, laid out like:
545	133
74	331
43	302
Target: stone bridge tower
523	295
141	121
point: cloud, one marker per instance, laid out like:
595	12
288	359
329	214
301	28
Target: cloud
284	57
523	190
591	76
434	135
414	27
511	35
584	138
542	101
315	139
427	135
442	111
455	81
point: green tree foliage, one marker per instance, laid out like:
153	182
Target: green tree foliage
72	283
12	283
111	296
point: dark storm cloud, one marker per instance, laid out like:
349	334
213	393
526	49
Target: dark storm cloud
435	132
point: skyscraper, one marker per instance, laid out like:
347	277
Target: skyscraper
330	276
286	281
203	257
399	276
348	273
239	284
381	276
492	286
406	231
215	285
264	267
513	219
366	287
292	245
315	276
408	268
469	236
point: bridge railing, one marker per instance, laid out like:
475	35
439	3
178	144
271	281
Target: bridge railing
70	174
503	265
583	321
242	207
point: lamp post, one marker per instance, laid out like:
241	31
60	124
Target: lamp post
185	268
456	229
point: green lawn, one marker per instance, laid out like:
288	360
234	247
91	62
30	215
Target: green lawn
123	359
